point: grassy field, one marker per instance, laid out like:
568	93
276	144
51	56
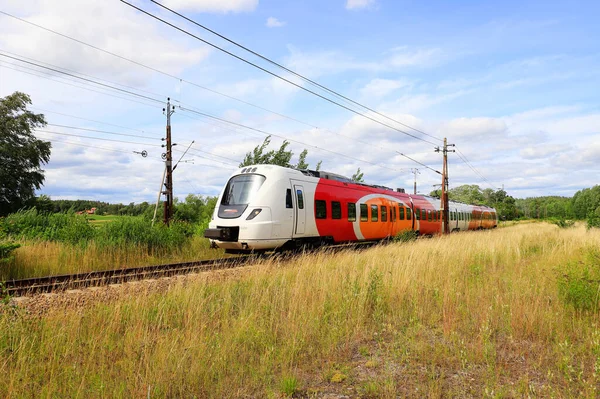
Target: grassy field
506	313
98	219
38	258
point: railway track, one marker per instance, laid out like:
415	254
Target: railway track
38	285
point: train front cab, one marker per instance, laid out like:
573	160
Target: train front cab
245	219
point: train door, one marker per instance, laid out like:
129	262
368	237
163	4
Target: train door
300	210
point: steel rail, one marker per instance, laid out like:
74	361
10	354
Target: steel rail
37	285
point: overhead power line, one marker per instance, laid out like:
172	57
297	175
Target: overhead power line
201	87
79	77
103	131
89	120
314	83
145	97
285	138
97	138
274	74
466	162
47	76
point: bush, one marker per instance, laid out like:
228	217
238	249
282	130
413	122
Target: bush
593	221
405	236
76	229
32	224
128	230
579	285
564	223
5	250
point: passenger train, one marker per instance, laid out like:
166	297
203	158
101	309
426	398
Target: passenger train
266	207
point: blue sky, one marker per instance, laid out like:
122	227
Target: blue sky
513	84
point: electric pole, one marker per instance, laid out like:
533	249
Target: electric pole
444	200
168	156
415	171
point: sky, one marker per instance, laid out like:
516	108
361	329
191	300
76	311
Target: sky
513	84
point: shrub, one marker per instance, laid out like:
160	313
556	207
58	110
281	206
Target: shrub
405	236
32	224
579	285
5	250
593	221
564	223
128	230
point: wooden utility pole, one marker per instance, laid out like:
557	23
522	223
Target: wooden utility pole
444	200
168	156
415	171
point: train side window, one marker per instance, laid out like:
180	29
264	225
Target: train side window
288	198
401	217
383	213
374	213
364	213
408	214
429	215
417	214
320	209
300	199
351	212
423	214
435	216
393	213
336	210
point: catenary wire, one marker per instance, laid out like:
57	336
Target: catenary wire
103	131
47	75
274	74
205	114
88	120
290	70
197	85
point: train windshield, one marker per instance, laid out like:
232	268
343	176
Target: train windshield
241	188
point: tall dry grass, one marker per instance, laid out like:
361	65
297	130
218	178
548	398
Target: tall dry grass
38	258
477	314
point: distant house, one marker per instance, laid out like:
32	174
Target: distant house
91	211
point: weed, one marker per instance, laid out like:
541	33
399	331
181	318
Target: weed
6	249
564	223
338	377
579	285
405	236
370	389
289	386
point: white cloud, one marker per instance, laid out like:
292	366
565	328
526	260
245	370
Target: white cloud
475	128
377	88
113	27
359	4
423	57
214	6
273	22
543	151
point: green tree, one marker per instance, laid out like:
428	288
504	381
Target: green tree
281	157
358	176
21	153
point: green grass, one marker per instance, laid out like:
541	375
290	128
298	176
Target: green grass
99	219
54	244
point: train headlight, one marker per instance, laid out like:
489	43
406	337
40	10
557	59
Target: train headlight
253	214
